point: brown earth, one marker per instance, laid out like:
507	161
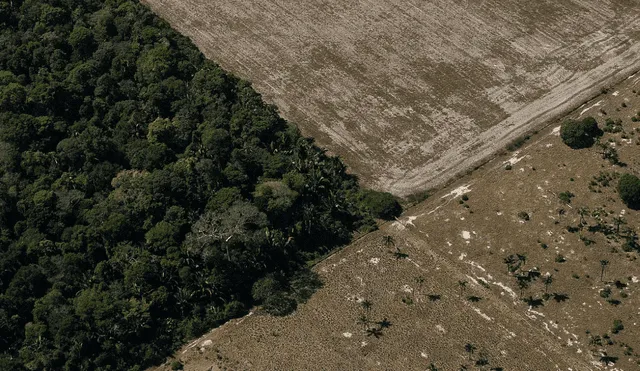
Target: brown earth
410	93
447	240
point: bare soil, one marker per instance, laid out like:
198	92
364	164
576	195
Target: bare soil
448	240
411	93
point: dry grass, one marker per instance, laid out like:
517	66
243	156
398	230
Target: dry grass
410	93
447	242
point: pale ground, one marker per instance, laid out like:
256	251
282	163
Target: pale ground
410	93
447	242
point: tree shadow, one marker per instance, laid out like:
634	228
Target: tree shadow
533	302
620	285
614	302
607	359
374	331
434	297
400	255
385	323
560	297
474	299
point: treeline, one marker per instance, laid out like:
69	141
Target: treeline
144	191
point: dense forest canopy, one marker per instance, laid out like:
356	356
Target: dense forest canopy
145	194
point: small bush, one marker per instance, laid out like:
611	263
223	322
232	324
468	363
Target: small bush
612	126
523	215
629	190
518	142
381	205
566	197
279	304
177	365
617	326
580	134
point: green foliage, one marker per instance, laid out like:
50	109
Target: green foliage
566	197
617	326
580	134
381	205
524	216
612	126
147	196
629	190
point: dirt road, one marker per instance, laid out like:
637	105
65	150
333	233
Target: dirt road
410	93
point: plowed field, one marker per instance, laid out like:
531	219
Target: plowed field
411	93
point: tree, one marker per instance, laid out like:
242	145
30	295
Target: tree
523	284
364	321
389	241
470	348
603	266
618	221
462	285
580	134
583	211
381	205
510	261
366	305
629	190
547	280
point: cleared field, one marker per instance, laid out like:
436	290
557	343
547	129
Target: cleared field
412	92
567	324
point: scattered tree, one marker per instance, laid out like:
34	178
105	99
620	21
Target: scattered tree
580	134
603	266
629	190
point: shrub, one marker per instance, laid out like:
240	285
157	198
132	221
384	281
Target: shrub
612	126
264	288
518	142
580	134
629	190
279	304
523	215
177	365
617	326
566	197
381	205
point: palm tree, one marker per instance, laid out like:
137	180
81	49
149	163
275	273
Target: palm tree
583	211
366	305
419	281
523	285
462	285
522	259
510	261
603	266
364	321
469	348
618	221
389	241
547	280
